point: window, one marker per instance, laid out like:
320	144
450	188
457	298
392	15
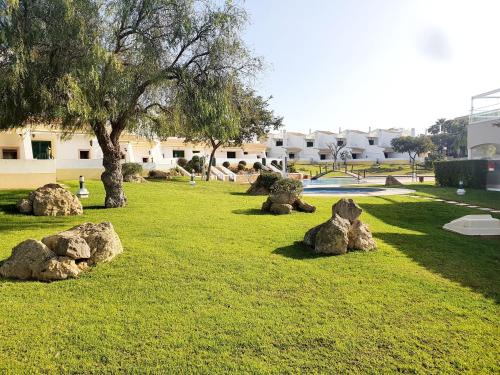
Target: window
291	156
196	152
145	160
340	142
231	155
245	153
279	142
310	144
322	156
371	142
84	154
178	153
9	153
41	149
386	155
354	156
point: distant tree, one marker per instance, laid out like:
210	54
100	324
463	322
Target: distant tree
334	150
450	136
220	111
413	146
345	155
108	66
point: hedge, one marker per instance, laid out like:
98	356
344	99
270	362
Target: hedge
472	172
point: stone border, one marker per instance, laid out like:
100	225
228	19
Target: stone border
461	204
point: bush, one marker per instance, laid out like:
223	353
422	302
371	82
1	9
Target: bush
267	179
195	163
226	164
287	185
472	172
257	166
291	168
130	169
242	162
182	162
241	167
432	159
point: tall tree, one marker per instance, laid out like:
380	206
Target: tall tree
109	65
414	146
221	111
450	136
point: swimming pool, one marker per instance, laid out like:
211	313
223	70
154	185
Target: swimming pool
334	181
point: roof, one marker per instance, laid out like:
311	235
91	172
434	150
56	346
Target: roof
295	133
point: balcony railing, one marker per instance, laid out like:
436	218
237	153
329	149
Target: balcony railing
492	114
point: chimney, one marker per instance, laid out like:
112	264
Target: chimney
369	129
340	130
310	132
413	132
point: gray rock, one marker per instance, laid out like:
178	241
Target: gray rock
332	237
24	206
68	245
266	206
360	237
302	206
51	200
392	181
280	209
283	198
347	209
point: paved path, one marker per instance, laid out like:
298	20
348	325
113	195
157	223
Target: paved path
463	204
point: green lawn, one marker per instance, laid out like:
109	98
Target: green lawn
209	284
383	169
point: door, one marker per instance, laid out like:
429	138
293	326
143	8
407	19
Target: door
41	149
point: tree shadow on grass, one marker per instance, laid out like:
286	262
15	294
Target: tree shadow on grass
249	211
297	251
471	261
242	193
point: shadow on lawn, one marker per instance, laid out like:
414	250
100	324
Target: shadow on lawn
473	262
249	211
297	251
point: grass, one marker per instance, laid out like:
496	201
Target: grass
209	284
383	169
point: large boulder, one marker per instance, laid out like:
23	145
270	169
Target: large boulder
263	183
392	181
102	241
51	200
360	237
302	206
342	233
347	209
284	196
28	260
332	237
63	255
136	178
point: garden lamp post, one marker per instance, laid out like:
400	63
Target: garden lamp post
83	192
192	182
460	190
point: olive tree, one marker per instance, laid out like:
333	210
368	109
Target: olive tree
109	66
413	146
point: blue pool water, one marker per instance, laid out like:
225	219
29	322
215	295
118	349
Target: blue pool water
339	181
341	190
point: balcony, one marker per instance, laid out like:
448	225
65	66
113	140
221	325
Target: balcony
485	107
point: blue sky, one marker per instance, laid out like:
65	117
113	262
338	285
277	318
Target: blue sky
379	63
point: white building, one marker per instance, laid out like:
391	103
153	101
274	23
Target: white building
314	147
38	155
483	131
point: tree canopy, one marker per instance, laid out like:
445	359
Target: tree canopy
111	65
413	146
450	136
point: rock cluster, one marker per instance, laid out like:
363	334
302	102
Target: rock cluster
392	181
284	203
63	255
342	233
50	200
137	178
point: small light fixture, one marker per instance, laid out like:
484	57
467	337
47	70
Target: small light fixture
460	190
83	192
192	182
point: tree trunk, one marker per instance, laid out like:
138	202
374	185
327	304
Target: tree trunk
112	177
210	160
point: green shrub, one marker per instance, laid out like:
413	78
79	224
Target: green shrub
130	169
291	168
267	179
287	185
241	167
182	162
433	158
472	172
243	162
226	164
196	164
160	175
257	166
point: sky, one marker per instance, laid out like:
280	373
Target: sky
355	64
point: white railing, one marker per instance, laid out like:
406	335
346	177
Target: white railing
227	172
249	161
